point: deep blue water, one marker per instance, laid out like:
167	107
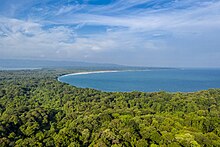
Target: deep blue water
172	80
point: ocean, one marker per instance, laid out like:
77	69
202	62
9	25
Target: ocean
170	80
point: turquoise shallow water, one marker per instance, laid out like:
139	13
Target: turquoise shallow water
172	80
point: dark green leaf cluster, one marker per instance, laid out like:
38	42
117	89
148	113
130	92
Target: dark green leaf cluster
37	110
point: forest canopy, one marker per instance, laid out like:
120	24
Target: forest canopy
38	110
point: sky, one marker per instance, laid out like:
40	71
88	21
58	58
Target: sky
168	33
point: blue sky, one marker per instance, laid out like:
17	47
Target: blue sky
180	33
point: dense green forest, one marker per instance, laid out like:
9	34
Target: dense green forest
37	110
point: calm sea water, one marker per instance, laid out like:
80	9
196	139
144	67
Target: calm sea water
172	80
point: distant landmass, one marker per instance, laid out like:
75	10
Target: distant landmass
16	63
38	64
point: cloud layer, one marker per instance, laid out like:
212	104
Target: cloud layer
131	32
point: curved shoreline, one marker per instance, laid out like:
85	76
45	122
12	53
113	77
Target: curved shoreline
91	72
95	72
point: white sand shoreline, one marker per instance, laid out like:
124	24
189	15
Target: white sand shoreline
96	72
90	72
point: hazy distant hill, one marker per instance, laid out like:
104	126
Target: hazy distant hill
15	63
32	64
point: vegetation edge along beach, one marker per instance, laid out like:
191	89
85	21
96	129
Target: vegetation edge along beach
38	110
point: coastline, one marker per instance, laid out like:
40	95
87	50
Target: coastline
95	72
90	72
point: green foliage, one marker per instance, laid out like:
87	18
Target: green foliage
37	110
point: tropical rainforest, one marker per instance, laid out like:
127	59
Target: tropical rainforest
38	110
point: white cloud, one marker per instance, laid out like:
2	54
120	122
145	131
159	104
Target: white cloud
67	9
140	32
202	16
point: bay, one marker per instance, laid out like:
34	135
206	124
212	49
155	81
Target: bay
171	80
